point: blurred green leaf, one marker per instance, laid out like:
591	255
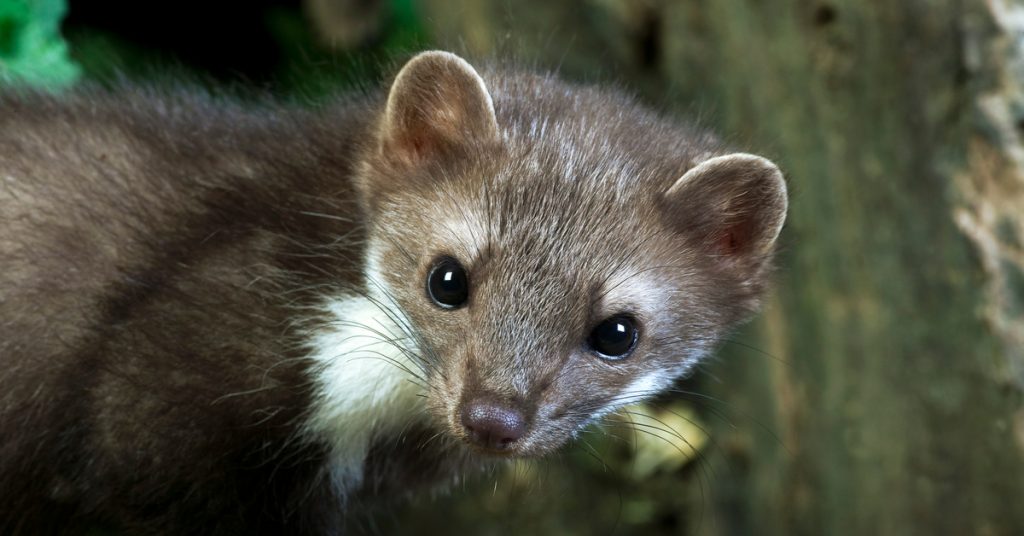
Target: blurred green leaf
32	50
669	438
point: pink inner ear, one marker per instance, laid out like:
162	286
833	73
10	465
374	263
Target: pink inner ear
734	239
415	145
412	147
421	136
727	243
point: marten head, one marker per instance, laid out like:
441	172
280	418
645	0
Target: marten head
557	251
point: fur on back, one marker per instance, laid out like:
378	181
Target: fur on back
160	255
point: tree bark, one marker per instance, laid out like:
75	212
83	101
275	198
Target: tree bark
891	382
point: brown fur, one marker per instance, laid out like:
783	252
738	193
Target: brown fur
162	257
154	250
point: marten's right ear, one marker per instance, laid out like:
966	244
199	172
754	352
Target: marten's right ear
438	102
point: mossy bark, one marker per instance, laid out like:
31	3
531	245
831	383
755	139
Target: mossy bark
893	347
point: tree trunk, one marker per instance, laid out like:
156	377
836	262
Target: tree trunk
890	382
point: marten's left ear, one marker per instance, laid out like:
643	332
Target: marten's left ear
436	102
732	205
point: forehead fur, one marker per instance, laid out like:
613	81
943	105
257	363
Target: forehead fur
568	155
571	132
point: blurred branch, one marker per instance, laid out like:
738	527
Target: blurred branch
347	24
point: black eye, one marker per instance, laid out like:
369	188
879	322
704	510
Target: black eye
448	284
614	338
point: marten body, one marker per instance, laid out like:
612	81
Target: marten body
240	319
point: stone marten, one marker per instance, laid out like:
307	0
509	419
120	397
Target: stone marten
232	317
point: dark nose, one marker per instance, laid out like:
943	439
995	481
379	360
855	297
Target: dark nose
492	425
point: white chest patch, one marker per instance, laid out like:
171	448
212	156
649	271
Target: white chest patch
364	390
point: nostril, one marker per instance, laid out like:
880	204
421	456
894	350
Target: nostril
492	425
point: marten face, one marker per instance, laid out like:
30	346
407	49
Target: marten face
554	258
533	316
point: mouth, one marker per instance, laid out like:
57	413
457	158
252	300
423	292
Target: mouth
486	448
502	454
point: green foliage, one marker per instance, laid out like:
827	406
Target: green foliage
32	50
301	66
